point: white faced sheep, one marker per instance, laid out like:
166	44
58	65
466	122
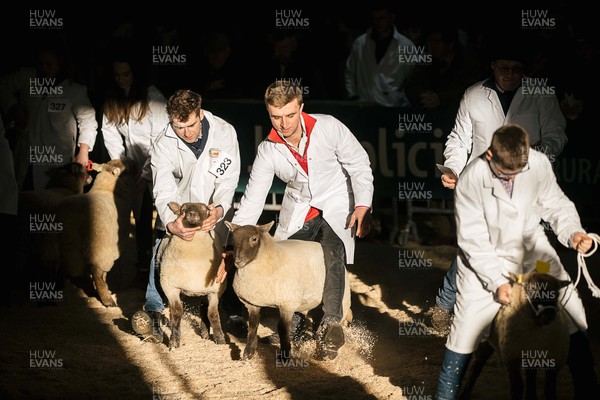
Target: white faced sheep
287	274
190	268
530	334
95	228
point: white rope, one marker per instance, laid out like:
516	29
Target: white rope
583	268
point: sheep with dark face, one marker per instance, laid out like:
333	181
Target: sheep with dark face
287	274
190	268
530	333
38	205
95	228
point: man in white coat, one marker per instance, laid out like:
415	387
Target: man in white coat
500	199
379	63
329	190
55	120
195	159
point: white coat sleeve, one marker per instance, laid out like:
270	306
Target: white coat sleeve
351	71
259	184
112	139
557	209
158	113
163	180
86	119
472	233
226	185
460	140
355	161
553	125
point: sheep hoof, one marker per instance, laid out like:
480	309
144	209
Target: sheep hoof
110	303
248	354
173	344
220	340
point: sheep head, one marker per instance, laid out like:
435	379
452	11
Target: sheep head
539	292
246	241
194	213
71	176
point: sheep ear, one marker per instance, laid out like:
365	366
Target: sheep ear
513	278
266	227
174	206
97	167
116	171
232	227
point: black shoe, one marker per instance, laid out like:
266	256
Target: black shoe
237	326
147	325
330	338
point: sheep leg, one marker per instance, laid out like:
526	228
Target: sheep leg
550	384
252	341
176	312
283	329
99	278
516	380
530	384
215	319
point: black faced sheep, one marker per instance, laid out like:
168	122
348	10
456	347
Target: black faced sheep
287	274
95	228
36	214
529	334
190	268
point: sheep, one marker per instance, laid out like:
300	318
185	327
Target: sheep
190	268
36	206
530	333
286	274
95	228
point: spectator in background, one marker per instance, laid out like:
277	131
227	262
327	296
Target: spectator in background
55	120
442	82
220	77
288	61
374	72
134	114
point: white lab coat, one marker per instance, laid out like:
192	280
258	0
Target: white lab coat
178	176
383	82
58	123
497	234
480	114
10	191
134	138
339	178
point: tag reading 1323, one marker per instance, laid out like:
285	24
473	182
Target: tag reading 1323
220	163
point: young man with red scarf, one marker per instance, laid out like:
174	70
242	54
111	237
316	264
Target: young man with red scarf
328	194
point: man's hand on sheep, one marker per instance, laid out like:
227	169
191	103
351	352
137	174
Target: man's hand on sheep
503	294
363	219
215	215
581	242
176	228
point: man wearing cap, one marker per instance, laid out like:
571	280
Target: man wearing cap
498	100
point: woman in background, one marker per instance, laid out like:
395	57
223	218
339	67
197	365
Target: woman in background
134	113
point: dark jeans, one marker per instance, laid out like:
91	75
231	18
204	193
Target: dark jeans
446	296
318	230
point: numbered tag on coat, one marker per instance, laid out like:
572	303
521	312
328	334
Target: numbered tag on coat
220	162
59	105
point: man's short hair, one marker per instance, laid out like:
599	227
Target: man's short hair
183	103
510	147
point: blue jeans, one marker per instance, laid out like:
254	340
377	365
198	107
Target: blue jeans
154	298
318	230
446	296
